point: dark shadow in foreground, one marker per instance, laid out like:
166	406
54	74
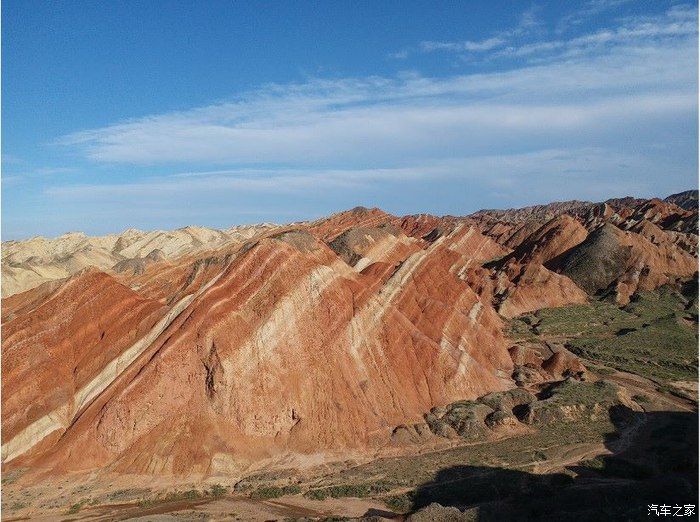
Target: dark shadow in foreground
656	464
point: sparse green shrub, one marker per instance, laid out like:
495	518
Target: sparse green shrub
217	490
190	494
650	337
596	463
316	494
362	490
604	370
148	502
266	492
616	467
77	507
400	503
539	455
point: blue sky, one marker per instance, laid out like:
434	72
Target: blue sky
165	114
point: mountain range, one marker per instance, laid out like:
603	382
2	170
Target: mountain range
203	353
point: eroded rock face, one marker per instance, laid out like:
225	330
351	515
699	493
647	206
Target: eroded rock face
623	262
537	362
561	400
331	227
278	347
687	200
363	246
564	252
551	240
56	353
529	287
201	352
598	261
477	419
564	364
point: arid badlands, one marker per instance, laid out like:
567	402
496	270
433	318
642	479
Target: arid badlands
527	364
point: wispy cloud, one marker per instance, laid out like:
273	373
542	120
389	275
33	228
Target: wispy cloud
678	21
593	107
649	74
482	45
399	55
48	171
588	10
10	159
17	177
10	179
586	170
528	24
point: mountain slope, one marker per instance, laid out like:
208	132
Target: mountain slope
350	350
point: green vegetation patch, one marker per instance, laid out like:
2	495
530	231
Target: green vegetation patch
640	398
217	491
74	508
571	392
655	335
190	494
665	349
593	319
571	400
177	496
9	477
122	495
399	478
609	466
362	490
266	492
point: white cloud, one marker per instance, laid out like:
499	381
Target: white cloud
18	177
371	120
589	9
678	22
456	185
502	172
482	45
399	55
47	171
528	23
607	113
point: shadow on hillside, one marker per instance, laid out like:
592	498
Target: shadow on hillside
657	465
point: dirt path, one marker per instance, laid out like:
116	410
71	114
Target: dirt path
638	384
226	508
570	455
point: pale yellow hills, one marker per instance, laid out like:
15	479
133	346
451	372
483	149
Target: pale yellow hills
29	263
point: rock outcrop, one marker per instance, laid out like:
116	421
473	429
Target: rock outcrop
623	262
687	200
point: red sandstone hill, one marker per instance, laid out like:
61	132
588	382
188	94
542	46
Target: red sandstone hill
312	338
